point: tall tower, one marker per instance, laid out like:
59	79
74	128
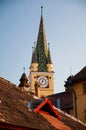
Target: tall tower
41	69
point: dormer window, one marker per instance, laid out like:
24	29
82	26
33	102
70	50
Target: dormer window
84	88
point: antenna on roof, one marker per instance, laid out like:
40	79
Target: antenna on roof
70	70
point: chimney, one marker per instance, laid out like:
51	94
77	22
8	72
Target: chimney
37	89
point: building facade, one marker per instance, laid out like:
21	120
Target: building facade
77	84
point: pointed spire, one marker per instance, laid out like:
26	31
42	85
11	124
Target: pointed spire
41	46
24	80
34	54
49	61
41	52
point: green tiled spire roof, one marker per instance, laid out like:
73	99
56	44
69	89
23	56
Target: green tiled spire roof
41	47
41	53
34	55
49	61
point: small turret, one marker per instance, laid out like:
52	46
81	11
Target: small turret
49	61
34	63
24	85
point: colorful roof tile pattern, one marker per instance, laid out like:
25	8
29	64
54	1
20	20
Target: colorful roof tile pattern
34	55
49	61
41	53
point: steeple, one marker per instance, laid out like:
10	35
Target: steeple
41	52
24	80
34	54
49	61
41	68
41	46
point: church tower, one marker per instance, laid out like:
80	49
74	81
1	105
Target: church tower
41	69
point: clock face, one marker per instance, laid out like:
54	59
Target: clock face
43	81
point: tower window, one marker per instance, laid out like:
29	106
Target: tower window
84	88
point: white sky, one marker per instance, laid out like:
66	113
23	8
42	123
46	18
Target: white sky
65	26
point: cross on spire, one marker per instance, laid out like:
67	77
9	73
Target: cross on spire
24	69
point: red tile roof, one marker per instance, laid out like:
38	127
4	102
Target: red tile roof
58	124
71	121
14	111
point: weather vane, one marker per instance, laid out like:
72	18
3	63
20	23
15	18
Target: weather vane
24	69
41	10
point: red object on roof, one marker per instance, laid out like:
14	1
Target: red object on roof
47	108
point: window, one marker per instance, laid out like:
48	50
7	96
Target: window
84	88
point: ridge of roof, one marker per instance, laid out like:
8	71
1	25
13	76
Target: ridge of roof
70	116
60	93
71	121
5	81
80	76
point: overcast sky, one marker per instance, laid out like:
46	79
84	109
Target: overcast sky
65	26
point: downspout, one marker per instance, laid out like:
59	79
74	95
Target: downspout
74	98
74	103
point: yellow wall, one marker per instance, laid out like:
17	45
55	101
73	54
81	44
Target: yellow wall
34	67
43	91
50	67
80	101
